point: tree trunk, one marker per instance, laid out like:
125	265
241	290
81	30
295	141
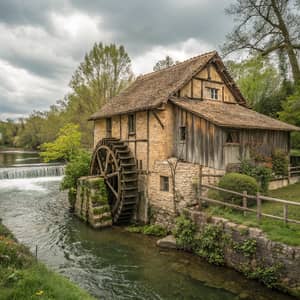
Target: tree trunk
294	63
288	45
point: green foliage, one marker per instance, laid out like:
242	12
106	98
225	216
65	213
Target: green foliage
78	166
152	229
101	210
65	147
21	277
210	244
247	247
104	72
262	174
267	275
238	183
291	114
258	81
280	163
184	232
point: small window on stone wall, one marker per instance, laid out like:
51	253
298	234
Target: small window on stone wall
164	183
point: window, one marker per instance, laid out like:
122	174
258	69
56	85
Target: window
131	124
164	183
108	127
182	133
213	93
232	137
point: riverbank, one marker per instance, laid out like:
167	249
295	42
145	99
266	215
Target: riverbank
22	277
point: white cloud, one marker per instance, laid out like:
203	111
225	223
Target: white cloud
182	51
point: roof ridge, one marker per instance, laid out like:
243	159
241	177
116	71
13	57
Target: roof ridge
175	65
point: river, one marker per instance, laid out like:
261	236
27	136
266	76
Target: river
110	264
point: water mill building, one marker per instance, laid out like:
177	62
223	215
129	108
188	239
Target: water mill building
152	140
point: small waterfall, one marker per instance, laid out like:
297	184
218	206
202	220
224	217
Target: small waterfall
32	171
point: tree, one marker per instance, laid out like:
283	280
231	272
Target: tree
104	72
164	63
291	114
259	82
266	26
65	147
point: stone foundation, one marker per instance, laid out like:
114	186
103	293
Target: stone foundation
267	253
91	203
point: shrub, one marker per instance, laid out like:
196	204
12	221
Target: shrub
210	244
238	183
280	163
184	232
76	168
260	173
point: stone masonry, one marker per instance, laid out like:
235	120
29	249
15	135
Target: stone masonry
91	203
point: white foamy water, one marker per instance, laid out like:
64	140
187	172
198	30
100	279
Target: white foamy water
27	184
32	171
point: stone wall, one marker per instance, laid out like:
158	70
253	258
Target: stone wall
91	203
186	187
267	254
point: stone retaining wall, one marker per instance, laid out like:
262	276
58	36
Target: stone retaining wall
268	254
91	203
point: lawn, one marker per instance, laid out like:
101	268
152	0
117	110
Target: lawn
22	277
275	229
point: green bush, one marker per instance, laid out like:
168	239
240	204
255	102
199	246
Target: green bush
210	244
76	168
262	174
280	163
184	232
238	183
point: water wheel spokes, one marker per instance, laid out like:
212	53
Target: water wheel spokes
113	160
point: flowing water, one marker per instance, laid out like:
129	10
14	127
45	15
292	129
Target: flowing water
110	264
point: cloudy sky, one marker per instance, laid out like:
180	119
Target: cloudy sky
42	42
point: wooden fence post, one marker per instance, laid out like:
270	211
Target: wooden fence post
285	213
289	174
258	207
245	201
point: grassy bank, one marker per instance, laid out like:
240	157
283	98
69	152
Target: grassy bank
275	229
22	277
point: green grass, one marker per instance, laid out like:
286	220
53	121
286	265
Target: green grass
276	230
22	277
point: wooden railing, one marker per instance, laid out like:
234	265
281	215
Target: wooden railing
244	207
294	171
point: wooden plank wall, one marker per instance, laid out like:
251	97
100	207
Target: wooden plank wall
204	140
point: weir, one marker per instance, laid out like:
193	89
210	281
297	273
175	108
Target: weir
32	171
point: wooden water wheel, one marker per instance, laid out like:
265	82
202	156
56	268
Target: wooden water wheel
113	160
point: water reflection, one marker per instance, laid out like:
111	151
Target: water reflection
9	157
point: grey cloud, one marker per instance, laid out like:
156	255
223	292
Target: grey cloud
50	56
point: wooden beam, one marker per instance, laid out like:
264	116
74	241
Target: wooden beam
211	81
158	119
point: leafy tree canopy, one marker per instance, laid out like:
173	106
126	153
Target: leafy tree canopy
65	146
266	26
259	82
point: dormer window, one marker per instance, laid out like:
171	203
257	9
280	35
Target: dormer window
213	93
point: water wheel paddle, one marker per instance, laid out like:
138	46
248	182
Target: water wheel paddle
113	160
